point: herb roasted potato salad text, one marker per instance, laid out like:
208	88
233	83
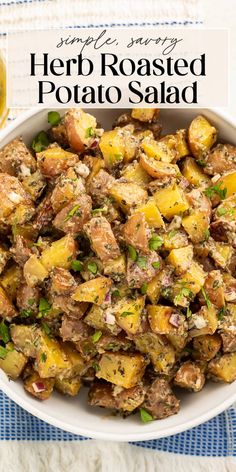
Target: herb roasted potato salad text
117	261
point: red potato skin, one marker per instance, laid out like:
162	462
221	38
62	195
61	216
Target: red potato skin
160	401
136	232
221	159
28	298
75	223
72	135
102	238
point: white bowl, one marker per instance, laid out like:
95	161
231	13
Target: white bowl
73	414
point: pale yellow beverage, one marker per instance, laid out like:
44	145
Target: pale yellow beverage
3	107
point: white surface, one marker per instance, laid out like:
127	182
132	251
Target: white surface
73	414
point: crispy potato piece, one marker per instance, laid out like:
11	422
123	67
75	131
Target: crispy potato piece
152	214
228	182
77	363
175	239
68	187
163	150
62	282
27	298
34	184
143	270
160	401
190	376
205	321
102	238
201	136
193	173
125	370
102	319
14	362
13	195
160	351
98	186
166	320
221	159
51	359
106	395
59	254
223	368
206	346
115	268
153	291
10	280
80	129
127	195
15	159
72	218
171	201
53	161
93	291
196	225
34	271
7	309
112	145
221	253
69	387
134	172
214	288
128	314
25	338
144	114
181	258
158	169
38	387
192	282
136	232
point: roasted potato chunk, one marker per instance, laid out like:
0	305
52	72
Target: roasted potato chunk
206	346
136	232
102	238
124	370
127	195
190	376
201	136
38	387
160	401
223	368
59	254
72	218
53	161
80	129
93	291
15	159
13	362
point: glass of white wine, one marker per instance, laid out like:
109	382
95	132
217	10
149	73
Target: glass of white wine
3	105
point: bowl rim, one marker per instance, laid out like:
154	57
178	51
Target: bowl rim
88	432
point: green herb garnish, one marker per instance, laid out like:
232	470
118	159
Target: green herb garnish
221	313
89	132
206	298
40	142
76	265
206	234
98	210
92	267
26	313
188	313
215	189
44	308
46	329
172	233
221	211
184	292
3	352
73	212
132	253
43	357
4	332
145	416
126	313
144	288
115	293
155	242
142	262
96	336
54	118
156	265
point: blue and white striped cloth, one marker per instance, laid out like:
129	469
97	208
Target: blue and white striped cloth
214	439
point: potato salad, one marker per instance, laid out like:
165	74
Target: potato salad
117	261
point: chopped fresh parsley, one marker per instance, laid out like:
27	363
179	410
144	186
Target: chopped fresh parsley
40	142
155	242
126	313
144	288
132	253
172	233
4	332
184	292
221	211
43	357
26	313
95	366
98	210
221	313
73	212
46	329
44	307
156	265
3	352
215	189
31	301
141	262
206	234
206	298
76	265
89	132
145	416
54	118
96	336
188	313
92	267
115	293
